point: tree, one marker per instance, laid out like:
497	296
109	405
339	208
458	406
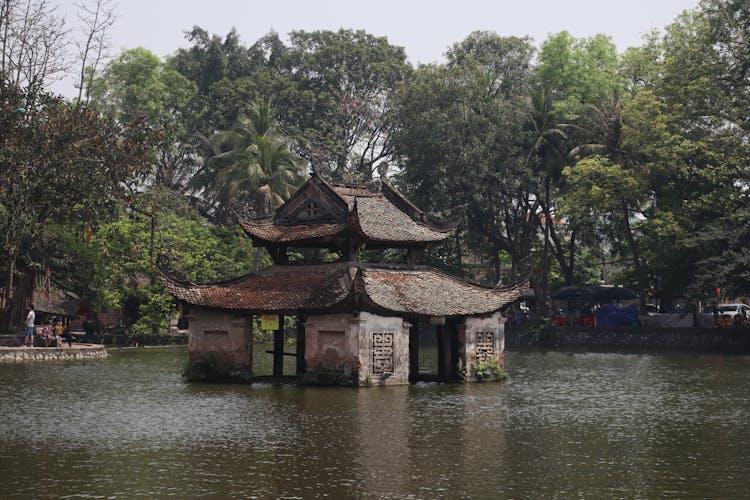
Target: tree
571	75
212	59
345	81
120	252
137	84
33	45
62	163
97	19
460	140
254	166
576	72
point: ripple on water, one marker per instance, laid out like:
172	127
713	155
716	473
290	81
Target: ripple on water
563	425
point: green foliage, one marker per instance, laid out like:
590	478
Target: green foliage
155	312
577	71
488	370
345	82
195	250
138	84
52	170
253	165
461	137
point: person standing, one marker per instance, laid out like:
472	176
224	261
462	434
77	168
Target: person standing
59	330
28	339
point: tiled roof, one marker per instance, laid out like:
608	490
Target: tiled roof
379	212
57	301
401	290
432	293
273	289
380	220
266	230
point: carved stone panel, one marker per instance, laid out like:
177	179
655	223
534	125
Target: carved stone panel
382	353
485	346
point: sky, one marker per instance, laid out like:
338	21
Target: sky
424	28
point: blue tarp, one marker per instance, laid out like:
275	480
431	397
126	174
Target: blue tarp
617	315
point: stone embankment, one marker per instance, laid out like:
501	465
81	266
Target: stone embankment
698	340
76	352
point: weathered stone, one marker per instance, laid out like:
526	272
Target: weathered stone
23	354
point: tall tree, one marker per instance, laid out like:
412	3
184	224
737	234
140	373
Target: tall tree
254	166
61	163
460	138
33	45
137	84
345	81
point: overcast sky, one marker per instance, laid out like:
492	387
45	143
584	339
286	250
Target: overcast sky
424	28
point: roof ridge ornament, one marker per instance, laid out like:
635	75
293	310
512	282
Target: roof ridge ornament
374	186
382	169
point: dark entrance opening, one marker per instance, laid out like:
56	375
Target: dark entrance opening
276	354
433	352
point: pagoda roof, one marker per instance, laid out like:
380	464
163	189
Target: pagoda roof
400	290
321	211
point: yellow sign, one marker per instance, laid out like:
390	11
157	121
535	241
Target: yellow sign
269	322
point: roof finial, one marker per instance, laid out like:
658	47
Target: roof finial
383	169
315	162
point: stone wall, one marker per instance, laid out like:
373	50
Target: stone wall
481	339
374	349
703	340
223	339
21	354
383	350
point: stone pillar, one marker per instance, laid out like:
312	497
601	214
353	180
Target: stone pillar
220	346
368	348
331	347
383	350
481	342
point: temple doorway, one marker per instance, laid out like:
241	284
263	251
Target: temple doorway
433	352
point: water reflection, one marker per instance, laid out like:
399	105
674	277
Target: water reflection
594	425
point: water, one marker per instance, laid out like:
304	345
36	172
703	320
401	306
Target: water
564	425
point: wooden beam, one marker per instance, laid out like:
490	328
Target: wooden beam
414	351
278	349
300	345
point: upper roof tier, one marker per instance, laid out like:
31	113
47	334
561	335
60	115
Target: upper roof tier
403	290
326	214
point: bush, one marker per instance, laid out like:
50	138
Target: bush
488	370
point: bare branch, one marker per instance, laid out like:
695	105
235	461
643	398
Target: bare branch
96	20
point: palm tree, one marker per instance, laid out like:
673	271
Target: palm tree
604	124
261	175
546	152
252	165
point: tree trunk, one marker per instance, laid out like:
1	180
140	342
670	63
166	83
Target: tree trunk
636	255
572	251
13	314
541	301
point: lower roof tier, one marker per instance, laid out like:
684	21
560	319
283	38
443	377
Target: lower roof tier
297	289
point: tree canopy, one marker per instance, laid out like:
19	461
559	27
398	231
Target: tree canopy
565	158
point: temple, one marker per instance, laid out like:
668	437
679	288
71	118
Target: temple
354	319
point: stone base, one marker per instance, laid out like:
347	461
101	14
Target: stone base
78	352
364	348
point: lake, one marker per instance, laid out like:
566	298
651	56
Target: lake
563	425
